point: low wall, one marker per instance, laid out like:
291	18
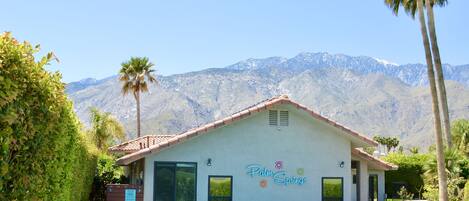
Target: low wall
124	192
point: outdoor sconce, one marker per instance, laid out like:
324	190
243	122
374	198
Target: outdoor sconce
342	164
209	162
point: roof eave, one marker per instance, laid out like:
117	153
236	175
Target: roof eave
376	161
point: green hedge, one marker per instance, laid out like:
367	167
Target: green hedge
409	173
43	154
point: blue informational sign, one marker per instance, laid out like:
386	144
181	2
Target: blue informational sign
130	194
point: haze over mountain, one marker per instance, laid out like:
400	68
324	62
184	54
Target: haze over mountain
369	95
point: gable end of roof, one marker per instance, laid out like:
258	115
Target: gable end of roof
127	159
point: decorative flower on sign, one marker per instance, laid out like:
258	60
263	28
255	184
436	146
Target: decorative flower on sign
300	171
278	165
263	183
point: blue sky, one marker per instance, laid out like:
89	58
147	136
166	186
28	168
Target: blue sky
92	38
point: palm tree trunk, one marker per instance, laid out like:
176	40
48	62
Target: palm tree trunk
442	177
137	98
440	81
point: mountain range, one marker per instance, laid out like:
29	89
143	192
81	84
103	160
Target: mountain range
370	95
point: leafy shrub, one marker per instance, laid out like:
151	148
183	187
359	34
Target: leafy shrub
409	174
404	194
43	154
466	191
456	166
460	133
107	172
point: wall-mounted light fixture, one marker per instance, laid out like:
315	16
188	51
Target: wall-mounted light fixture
209	162
341	164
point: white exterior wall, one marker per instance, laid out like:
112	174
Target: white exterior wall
364	176
305	143
365	173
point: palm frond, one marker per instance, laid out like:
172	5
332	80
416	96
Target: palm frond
127	88
105	129
135	73
394	5
144	87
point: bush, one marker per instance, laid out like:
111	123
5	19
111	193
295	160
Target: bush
107	172
409	174
404	195
456	165
466	191
43	154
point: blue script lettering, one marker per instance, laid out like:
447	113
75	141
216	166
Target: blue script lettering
279	177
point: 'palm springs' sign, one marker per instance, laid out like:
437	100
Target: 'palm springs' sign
278	176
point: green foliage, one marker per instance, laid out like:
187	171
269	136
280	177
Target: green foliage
135	75
369	150
460	133
107	172
105	129
456	165
409	6
400	149
409	174
418	172
455	191
390	142
414	150
466	192
43	155
404	194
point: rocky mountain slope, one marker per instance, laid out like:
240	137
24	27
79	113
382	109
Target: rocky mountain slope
369	95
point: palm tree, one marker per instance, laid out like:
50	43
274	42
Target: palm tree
135	75
411	7
438	69
105	129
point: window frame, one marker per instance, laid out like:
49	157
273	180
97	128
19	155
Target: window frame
322	186
175	165
209	198
284	115
271	119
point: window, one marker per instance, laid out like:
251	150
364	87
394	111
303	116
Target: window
175	181
220	188
283	118
278	118
273	117
332	189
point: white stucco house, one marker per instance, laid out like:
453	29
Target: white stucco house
276	150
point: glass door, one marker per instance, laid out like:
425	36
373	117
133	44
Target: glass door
175	181
373	188
164	182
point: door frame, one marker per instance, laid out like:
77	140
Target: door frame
175	165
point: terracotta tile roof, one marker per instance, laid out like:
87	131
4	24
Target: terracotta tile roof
139	143
371	159
127	159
